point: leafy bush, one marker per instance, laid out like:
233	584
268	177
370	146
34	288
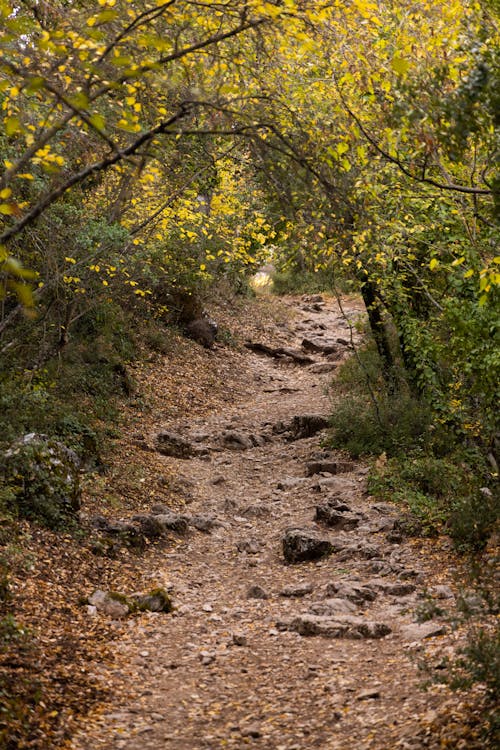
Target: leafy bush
41	475
442	493
391	424
293	281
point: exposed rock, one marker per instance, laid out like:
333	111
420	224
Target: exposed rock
157	600
257	592
337	514
441	592
43	475
110	603
297	590
354	628
173	522
203	331
300	545
307	425
333	607
420	631
329	467
172	444
357	593
319	368
250	546
204	523
150	526
318	346
236	441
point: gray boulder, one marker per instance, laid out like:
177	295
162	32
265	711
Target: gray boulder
300	545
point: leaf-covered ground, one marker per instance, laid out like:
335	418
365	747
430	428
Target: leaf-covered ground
223	670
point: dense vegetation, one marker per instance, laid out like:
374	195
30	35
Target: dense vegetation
152	150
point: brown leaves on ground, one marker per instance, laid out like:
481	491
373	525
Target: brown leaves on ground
50	643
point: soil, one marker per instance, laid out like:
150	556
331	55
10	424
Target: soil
224	670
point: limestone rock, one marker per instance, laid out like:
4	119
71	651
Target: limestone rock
355	592
320	368
110	603
337	515
157	600
203	331
171	444
328	467
44	475
257	592
307	425
333	607
420	631
318	346
300	545
173	522
297	590
355	628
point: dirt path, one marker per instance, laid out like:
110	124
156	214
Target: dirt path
231	668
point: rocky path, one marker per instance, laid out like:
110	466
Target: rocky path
294	623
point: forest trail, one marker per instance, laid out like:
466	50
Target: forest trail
233	666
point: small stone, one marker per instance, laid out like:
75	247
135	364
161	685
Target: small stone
328	467
110	603
356	593
207	608
250	546
206	658
418	632
333	607
301	545
251	731
441	592
368	694
321	368
257	592
297	590
339	519
172	444
239	639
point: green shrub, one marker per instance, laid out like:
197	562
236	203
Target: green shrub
42	480
390	424
293	281
442	493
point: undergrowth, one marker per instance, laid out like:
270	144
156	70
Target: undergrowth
418	462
